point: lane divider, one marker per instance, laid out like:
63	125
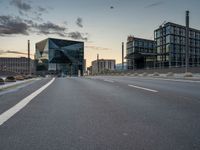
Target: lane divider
142	88
13	110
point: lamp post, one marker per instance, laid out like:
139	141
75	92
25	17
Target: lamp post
187	42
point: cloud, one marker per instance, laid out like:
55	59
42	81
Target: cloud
41	9
97	48
12	52
12	25
79	22
50	28
15	25
21	5
154	4
77	35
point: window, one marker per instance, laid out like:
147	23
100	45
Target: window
168	30
158	33
167	48
168	39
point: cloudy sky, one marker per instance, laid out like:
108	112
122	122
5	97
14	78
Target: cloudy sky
102	24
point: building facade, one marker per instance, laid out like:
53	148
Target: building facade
17	65
140	53
56	56
103	65
171	45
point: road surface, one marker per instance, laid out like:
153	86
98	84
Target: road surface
103	113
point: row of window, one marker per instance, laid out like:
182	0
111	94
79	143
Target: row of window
177	40
175	58
177	49
177	31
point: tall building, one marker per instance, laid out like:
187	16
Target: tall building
60	57
140	53
171	45
16	65
103	65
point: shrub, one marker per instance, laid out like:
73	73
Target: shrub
156	74
19	77
2	81
188	74
10	79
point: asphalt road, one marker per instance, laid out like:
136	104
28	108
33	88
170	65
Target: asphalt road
104	113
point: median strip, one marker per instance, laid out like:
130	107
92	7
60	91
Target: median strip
13	110
142	88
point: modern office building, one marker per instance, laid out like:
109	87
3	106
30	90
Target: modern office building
140	53
103	65
56	56
171	45
17	65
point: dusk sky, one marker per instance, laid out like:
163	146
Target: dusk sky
102	24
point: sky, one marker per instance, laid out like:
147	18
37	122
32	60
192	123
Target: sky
102	24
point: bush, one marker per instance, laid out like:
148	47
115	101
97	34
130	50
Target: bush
170	74
144	74
10	79
2	81
156	74
188	74
19	77
135	74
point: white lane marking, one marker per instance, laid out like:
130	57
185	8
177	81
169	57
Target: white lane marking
142	88
109	81
13	110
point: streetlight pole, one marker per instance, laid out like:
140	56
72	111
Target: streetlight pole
187	42
29	68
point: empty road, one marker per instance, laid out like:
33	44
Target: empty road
101	113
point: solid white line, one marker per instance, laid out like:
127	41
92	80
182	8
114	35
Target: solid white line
138	87
109	81
13	110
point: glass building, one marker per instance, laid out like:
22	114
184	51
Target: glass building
171	45
56	56
140	53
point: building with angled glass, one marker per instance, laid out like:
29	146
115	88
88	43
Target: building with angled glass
171	45
57	56
140	53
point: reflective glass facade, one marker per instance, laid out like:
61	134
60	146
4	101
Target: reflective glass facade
60	57
140	53
171	45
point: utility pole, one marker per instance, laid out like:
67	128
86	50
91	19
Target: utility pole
122	55
187	21
29	70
